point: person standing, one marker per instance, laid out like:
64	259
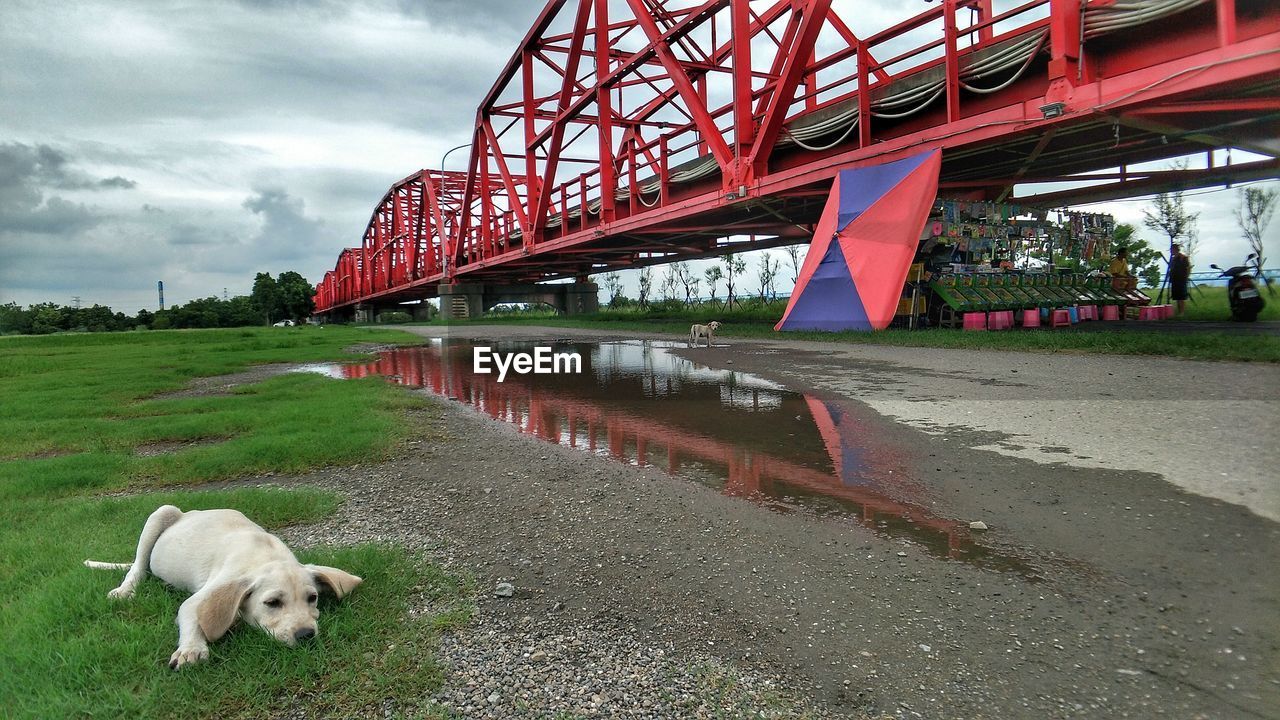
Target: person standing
1179	276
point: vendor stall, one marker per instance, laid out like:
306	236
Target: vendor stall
979	257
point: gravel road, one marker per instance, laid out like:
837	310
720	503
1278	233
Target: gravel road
1140	588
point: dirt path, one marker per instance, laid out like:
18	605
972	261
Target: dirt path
1124	595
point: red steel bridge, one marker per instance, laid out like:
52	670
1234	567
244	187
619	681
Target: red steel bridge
626	133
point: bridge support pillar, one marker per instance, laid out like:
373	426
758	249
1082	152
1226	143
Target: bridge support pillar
344	314
580	299
423	311
365	313
460	301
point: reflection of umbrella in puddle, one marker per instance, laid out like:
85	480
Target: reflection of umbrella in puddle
866	477
865	481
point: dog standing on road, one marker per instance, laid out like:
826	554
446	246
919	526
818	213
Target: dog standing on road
234	569
700	331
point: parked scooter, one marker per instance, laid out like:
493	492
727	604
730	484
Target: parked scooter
1242	292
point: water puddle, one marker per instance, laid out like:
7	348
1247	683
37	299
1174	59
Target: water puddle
636	402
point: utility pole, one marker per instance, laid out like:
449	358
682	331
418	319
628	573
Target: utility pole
224	294
76	299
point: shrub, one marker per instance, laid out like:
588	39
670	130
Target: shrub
394	317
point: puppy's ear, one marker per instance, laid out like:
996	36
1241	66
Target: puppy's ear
338	582
219	608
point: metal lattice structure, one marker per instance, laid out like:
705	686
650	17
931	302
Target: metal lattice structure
627	133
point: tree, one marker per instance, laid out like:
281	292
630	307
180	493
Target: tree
733	266
46	318
1254	214
237	312
693	284
1169	215
296	296
613	286
687	280
265	297
98	318
793	252
713	275
646	285
13	319
669	283
765	275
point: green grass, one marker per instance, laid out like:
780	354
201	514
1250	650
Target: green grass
75	409
1209	304
67	650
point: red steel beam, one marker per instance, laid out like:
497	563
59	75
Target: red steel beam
812	16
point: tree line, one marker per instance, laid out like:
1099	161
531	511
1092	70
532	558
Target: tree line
286	296
680	277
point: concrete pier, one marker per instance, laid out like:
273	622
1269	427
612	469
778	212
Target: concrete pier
460	301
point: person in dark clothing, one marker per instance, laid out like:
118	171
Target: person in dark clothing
1179	276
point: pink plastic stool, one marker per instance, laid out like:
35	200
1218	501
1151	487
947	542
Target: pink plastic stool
1088	312
1000	320
1166	312
975	321
1060	317
1150	312
1110	312
1031	318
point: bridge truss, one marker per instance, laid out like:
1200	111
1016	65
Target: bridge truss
626	133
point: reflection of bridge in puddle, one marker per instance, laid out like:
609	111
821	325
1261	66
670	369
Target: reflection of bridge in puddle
637	403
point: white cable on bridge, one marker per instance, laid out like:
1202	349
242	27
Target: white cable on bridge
656	200
1014	78
1006	57
914	110
1109	18
819	148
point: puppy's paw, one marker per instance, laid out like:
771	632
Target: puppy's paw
188	656
121	593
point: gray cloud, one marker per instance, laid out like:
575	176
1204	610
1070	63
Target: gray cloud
186	234
267	60
117	182
29	174
42	166
489	16
286	231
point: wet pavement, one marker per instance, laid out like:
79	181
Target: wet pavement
638	403
1128	569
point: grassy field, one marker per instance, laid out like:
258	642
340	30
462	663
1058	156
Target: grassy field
1209	303
76	408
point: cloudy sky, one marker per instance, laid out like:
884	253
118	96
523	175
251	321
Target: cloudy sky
200	143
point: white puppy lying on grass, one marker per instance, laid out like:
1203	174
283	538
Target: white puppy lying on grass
233	568
700	331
